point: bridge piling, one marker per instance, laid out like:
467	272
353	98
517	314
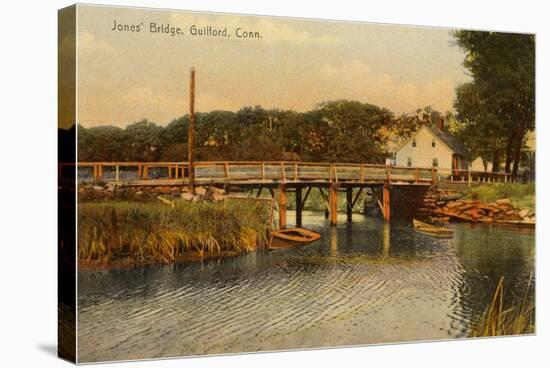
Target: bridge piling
333	203
386	202
282	206
99	173
145	172
349	203
298	205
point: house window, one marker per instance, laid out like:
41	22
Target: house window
414	142
435	162
409	162
433	142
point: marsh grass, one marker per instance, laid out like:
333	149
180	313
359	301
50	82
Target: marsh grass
115	231
502	319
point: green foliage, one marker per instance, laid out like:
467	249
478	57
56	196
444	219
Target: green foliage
144	140
113	231
497	108
479	129
140	141
354	130
103	143
334	131
405	125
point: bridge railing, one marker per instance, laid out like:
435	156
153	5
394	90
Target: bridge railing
280	171
479	176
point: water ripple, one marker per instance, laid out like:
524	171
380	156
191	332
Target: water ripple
356	286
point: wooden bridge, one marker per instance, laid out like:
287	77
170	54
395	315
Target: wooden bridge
281	176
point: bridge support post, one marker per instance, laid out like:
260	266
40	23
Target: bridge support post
99	173
349	203
282	206
333	203
298	205
386	202
145	172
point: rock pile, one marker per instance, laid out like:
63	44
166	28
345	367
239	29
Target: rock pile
110	192
444	207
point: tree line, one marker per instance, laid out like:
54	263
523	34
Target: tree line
345	131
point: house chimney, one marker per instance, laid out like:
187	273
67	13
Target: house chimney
440	124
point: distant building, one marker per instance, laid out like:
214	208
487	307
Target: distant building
479	165
432	147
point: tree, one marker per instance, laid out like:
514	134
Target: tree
479	129
144	141
355	131
502	66
103	143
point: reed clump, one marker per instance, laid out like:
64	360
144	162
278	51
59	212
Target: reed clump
499	319
154	232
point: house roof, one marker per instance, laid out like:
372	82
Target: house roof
444	137
449	140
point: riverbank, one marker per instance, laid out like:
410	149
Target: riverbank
119	234
512	204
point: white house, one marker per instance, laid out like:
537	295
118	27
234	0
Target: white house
432	147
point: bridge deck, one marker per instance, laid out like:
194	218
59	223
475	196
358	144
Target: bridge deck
330	178
251	173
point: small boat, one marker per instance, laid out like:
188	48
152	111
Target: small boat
291	237
432	230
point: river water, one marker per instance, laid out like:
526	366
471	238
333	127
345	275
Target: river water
362	283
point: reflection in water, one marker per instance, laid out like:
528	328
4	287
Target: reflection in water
385	240
334	241
361	283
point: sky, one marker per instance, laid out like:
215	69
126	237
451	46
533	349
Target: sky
127	76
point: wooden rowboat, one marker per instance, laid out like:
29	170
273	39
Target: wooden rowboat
292	237
432	230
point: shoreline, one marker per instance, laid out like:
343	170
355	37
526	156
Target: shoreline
85	265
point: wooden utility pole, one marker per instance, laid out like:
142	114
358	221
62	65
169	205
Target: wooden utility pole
191	134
